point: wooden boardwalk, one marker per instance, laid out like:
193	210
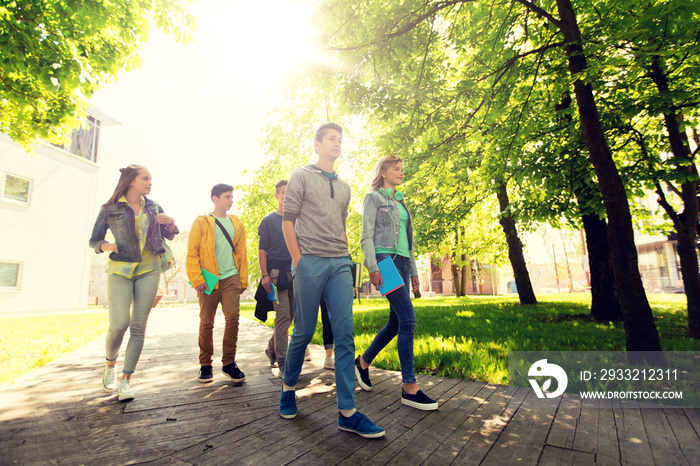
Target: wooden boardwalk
59	415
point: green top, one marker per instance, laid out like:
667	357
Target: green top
329	175
402	248
224	251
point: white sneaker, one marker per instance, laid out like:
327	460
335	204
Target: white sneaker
329	363
124	389
307	355
109	378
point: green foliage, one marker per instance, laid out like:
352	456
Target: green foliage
27	343
478	93
288	143
469	338
57	53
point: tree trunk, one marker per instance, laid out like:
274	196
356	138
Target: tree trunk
465	276
640	329
687	222
455	276
605	306
515	250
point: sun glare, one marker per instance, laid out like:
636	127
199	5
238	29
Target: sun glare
266	38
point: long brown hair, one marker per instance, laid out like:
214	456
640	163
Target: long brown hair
382	165
128	174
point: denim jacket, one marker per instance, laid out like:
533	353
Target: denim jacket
380	229
121	220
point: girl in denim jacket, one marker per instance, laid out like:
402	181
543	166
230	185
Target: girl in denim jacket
387	232
136	262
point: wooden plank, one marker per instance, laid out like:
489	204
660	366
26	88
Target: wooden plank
401	421
687	437
297	444
524	436
277	430
607	440
566	422
586	434
476	425
663	443
633	440
417	444
555	456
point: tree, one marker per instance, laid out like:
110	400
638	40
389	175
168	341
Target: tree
309	100
445	83
57	53
656	85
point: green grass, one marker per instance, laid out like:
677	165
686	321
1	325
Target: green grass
28	343
469	338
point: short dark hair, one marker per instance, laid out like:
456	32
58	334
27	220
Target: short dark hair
220	188
279	184
323	129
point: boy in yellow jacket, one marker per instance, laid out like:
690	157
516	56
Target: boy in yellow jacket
217	245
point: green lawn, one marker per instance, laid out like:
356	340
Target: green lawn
466	338
469	338
27	343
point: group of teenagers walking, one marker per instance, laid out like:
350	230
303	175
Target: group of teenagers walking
303	251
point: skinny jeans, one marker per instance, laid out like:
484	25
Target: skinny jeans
121	290
402	321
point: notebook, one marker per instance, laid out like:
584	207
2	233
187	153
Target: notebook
272	295
356	275
390	276
210	279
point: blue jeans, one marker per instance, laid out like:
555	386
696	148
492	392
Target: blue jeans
121	291
329	278
402	321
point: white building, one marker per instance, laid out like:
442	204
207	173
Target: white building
47	210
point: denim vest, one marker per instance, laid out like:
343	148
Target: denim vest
381	221
120	219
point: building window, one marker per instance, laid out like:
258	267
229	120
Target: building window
84	141
10	273
16	189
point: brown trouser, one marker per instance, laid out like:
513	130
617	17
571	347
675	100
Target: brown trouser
228	293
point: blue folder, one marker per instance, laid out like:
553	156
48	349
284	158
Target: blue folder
390	276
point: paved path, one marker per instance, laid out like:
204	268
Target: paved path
59	415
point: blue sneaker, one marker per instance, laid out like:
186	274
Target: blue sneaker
359	424
288	405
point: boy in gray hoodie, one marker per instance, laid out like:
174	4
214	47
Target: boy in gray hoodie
315	210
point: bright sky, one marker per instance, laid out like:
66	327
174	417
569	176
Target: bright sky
194	114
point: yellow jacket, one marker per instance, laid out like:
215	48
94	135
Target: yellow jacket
201	252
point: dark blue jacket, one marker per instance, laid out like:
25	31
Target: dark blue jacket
120	219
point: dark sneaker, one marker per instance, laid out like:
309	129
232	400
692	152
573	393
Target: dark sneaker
205	374
271	357
419	401
359	424
288	404
233	372
362	376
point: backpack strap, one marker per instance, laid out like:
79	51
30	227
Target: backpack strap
228	237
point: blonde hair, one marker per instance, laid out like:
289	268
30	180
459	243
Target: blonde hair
382	165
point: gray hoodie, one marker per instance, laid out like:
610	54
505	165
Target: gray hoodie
318	207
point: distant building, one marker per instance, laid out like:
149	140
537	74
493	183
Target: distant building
47	210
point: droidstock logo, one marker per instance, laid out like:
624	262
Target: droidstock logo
543	369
